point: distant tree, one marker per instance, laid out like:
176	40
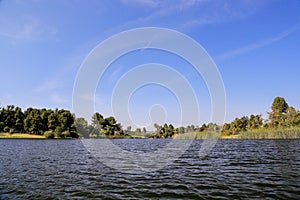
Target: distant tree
279	105
19	120
292	117
98	122
33	122
277	116
226	129
65	120
8	116
110	126
138	130
144	130
128	129
2	125
45	113
180	130
239	125
203	128
82	127
213	127
255	122
53	122
170	131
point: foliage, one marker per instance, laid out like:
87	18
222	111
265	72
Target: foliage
49	134
37	121
59	123
6	129
283	119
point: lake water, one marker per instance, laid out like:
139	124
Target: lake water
235	169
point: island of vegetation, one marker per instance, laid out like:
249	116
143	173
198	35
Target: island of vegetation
283	123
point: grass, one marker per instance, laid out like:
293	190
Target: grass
197	136
280	133
20	136
262	133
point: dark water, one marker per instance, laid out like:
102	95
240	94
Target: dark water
235	169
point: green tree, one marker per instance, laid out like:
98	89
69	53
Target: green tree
138	131
292	117
53	120
180	130
144	130
110	126
203	128
279	105
82	127
2	125
277	116
98	122
255	122
19	120
65	120
33	122
226	129
45	113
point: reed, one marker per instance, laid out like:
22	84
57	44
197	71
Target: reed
279	133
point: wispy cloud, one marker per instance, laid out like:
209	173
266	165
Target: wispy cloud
25	27
56	98
193	13
259	44
182	4
147	3
160	9
47	86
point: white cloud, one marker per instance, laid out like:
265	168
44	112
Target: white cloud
259	44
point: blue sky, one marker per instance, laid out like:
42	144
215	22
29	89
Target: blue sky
254	43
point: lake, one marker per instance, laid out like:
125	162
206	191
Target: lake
234	169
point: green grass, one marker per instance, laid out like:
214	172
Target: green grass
280	133
20	136
197	136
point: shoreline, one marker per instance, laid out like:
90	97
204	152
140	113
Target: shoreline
231	137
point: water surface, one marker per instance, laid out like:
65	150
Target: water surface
235	169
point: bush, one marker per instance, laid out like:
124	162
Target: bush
2	125
49	134
58	132
6	129
74	134
66	134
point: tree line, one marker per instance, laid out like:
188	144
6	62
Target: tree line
281	116
60	123
47	122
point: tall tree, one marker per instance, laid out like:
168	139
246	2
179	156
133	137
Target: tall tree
277	116
82	127
98	122
19	120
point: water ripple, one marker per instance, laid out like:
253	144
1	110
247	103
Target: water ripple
235	169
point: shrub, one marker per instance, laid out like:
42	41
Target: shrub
74	134
65	134
49	134
6	129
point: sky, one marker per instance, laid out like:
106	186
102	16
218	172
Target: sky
255	45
